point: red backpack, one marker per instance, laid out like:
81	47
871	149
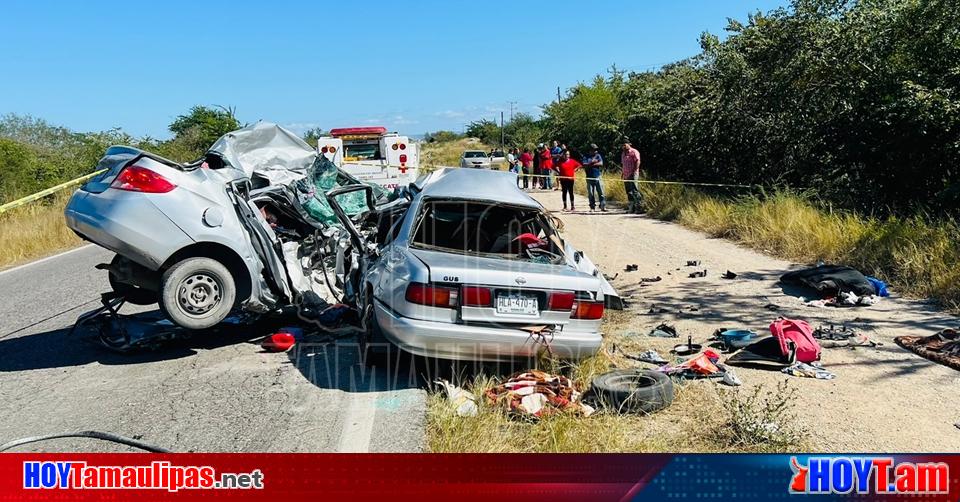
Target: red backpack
796	337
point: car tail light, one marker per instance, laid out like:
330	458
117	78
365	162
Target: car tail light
561	300
403	146
474	296
324	150
587	310
434	296
395	146
403	158
141	179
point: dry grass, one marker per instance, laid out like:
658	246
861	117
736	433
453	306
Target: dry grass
35	230
919	256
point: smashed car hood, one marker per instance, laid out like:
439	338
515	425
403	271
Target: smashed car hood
267	150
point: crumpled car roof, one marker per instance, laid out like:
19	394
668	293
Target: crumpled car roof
268	150
476	184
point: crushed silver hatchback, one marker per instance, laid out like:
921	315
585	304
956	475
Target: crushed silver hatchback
460	264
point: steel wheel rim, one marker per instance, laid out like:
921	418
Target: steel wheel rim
199	293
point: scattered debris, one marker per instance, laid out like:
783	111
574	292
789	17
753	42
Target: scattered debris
607	277
650	356
278	342
664	330
694	275
658	310
631	268
693	263
832	336
880	286
536	393
832	332
846	299
733	339
729	275
808	370
687	348
772	306
464	401
730	378
650	279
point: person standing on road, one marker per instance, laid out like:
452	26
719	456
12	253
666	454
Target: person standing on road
546	168
593	167
537	180
526	164
556	153
513	164
630	160
566	169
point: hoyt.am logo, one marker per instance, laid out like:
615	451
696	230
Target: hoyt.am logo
876	475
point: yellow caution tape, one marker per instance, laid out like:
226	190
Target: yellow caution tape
649	182
43	193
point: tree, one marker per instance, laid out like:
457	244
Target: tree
486	130
312	135
441	136
202	125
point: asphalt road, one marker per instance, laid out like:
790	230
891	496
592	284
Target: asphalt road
213	393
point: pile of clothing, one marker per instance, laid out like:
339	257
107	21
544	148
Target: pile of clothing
537	393
838	286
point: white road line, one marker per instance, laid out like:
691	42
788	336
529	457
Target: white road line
41	260
358	422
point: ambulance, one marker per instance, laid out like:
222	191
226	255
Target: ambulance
372	154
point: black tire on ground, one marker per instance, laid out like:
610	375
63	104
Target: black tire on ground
197	293
632	390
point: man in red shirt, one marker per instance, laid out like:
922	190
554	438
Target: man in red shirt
546	168
567	168
526	164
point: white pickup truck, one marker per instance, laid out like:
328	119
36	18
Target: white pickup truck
372	154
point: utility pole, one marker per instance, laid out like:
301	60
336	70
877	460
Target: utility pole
501	131
558	94
511	109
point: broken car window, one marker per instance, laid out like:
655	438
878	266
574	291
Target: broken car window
487	229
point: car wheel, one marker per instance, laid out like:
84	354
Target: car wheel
633	391
197	293
131	293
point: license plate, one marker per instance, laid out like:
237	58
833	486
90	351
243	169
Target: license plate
517	305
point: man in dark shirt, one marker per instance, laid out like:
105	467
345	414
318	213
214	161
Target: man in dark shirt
593	166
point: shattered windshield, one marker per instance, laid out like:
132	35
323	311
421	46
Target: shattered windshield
324	176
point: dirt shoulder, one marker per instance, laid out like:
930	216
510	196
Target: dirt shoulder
883	398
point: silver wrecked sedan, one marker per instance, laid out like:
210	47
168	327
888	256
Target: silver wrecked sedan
471	269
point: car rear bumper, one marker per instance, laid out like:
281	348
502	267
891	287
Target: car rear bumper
478	343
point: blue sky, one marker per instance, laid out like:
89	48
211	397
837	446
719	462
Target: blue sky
412	66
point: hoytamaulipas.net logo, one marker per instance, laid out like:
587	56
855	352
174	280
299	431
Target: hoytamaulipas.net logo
160	475
873	475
